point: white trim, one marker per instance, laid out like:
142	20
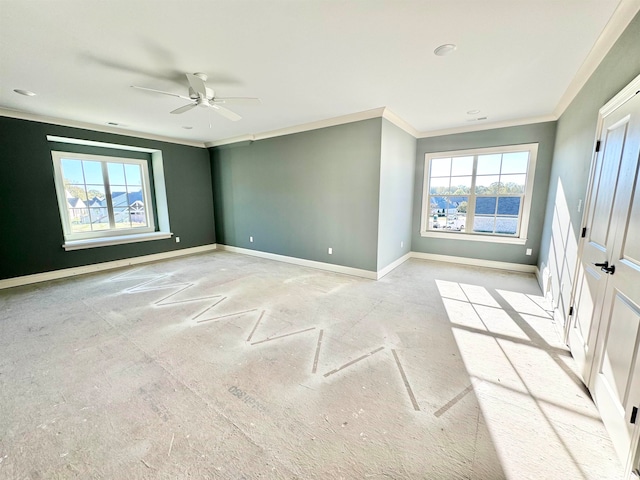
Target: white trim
399	122
476	262
538	275
382	112
229	141
117	240
488	126
156	165
525	206
5	112
626	94
99	267
111	235
475	237
622	97
393	266
305	127
357	272
619	21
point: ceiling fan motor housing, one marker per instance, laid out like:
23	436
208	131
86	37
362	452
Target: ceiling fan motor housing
194	95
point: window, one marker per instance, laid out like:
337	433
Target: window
102	196
482	194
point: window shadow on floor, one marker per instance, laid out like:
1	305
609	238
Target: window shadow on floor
526	383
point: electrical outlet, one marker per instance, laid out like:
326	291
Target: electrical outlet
401	244
330	251
251	239
529	251
177	239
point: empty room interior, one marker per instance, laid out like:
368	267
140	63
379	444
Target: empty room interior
320	240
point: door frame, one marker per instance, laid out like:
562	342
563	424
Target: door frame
626	94
622	97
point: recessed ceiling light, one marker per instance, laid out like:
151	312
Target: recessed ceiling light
445	49
26	93
187	128
473	112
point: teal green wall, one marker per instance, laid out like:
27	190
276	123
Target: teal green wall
343	187
300	194
32	235
397	177
544	135
572	159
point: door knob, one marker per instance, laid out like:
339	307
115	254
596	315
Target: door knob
604	264
609	270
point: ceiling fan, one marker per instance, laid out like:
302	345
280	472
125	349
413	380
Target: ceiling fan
202	96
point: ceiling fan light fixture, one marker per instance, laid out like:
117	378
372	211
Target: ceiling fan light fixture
445	49
26	93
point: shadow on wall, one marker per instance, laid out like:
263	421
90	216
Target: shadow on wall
558	274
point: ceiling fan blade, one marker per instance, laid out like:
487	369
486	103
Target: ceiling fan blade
160	91
233	116
237	100
186	108
197	84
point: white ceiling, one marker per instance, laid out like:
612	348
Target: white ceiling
308	60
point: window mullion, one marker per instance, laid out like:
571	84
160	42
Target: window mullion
471	203
520	215
107	193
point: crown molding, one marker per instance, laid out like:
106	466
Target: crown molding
305	127
400	123
619	21
5	112
382	112
622	97
488	126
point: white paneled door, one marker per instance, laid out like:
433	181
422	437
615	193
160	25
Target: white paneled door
605	328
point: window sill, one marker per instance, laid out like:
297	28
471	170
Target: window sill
474	238
119	240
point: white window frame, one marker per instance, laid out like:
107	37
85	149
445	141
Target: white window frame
58	156
520	237
159	190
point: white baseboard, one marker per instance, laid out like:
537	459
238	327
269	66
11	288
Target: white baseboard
98	267
514	267
476	262
539	278
393	265
302	262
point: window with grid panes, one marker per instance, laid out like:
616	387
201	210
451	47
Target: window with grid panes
102	196
482	192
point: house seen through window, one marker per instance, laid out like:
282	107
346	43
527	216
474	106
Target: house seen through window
102	196
483	192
